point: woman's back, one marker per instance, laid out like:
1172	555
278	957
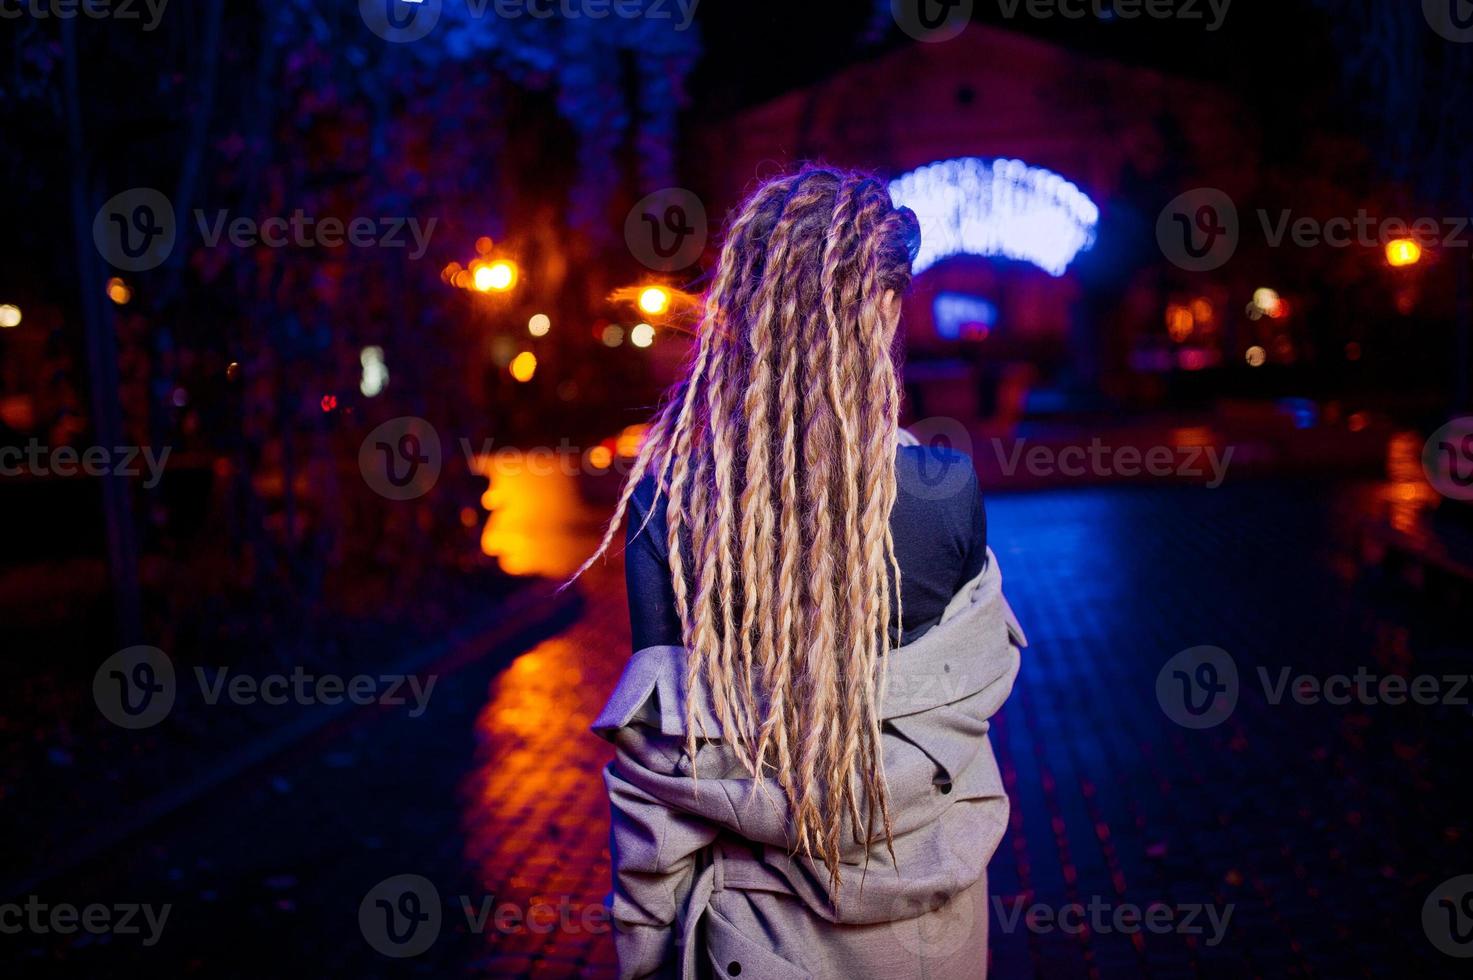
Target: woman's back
938	522
787	563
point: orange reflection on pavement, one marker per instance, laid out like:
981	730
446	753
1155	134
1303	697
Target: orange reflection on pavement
537	524
1408	495
534	809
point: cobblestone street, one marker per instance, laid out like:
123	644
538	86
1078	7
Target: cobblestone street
1291	840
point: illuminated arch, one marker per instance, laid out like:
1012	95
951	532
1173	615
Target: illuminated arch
971	206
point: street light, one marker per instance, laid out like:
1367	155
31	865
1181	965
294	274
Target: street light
654	300
499	276
1402	252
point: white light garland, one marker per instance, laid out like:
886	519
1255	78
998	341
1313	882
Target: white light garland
971	206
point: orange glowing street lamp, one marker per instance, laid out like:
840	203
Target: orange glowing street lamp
654	300
1403	252
495	277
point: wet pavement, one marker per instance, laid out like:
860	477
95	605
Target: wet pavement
1298	839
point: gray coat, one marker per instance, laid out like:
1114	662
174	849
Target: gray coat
704	884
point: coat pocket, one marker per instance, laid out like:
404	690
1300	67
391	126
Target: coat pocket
733	954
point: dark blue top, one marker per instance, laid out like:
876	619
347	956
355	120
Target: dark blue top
939	526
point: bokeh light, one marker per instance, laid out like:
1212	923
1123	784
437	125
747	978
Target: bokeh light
523	366
375	371
118	291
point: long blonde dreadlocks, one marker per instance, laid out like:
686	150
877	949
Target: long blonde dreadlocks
775	455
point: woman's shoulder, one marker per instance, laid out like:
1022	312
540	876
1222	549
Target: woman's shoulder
645	492
647	497
936	473
938	504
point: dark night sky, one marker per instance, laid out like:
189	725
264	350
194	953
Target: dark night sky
1276	54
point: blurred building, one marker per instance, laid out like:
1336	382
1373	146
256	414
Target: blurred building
1044	172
